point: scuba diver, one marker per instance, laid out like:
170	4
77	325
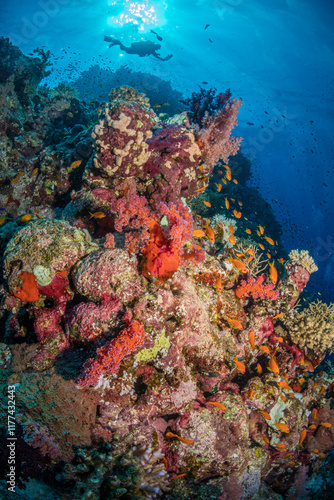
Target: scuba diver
142	49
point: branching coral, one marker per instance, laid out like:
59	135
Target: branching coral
312	329
257	264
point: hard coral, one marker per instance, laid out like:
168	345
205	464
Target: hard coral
312	329
109	356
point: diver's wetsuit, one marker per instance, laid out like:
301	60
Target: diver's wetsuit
142	49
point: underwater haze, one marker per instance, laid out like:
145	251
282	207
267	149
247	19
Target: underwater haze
167	249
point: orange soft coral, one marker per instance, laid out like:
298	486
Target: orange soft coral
256	289
28	291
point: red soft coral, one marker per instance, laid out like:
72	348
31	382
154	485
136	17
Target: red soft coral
109	356
28	291
164	251
256	289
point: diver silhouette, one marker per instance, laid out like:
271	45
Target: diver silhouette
142	49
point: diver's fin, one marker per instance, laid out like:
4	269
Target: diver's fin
110	39
168	57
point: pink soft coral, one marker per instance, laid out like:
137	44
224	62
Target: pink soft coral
214	138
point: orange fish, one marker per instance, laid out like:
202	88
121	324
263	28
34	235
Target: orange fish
281	446
248	231
181	439
261	246
325	424
227	203
265	414
250	251
70	115
228	175
265	438
283	398
202	169
284	385
281	260
237	214
240	205
231	228
207	203
250	393
283	428
280	339
231	239
251	338
273	274
270	241
292	463
210	234
235	181
240	255
269	255
26	218
314	413
322	455
161	105
302	436
239	265
224	181
259	368
258	233
235	323
74	165
198	233
265	348
34	172
301	380
233	200
200	189
261	230
2	220
178	476
240	366
278	316
315	450
219	285
97	215
17	178
220	406
322	390
219	187
220	172
273	366
312	427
